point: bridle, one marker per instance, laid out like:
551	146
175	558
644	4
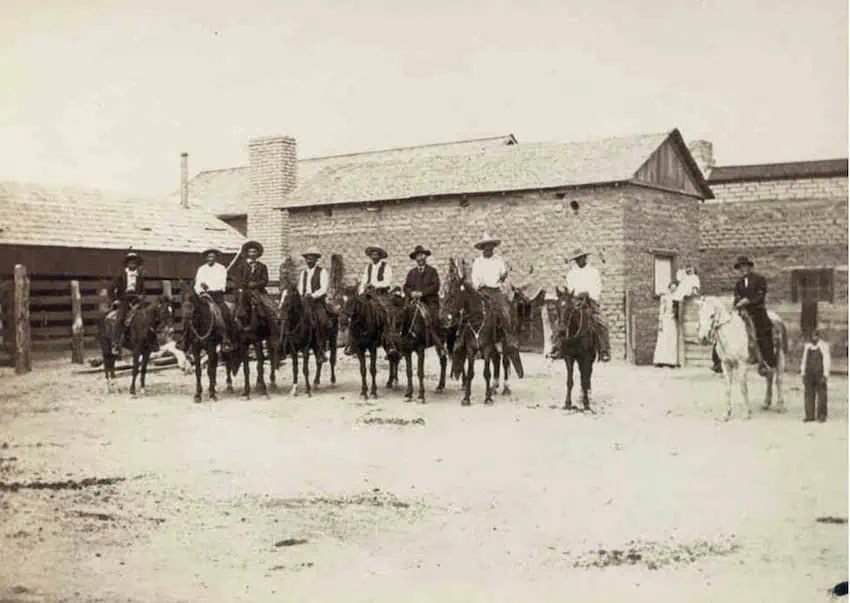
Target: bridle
203	338
582	327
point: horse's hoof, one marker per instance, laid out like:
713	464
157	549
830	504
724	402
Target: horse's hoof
230	389
197	398
488	401
364	395
465	403
246	396
765	406
374	395
213	398
726	418
333	380
421	398
142	392
440	389
506	391
780	408
569	406
293	391
749	415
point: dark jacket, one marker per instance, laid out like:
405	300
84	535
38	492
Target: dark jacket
755	291
243	278
427	282
118	288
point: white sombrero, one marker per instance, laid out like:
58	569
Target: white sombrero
486	241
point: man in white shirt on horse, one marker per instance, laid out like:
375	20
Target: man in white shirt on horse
211	279
489	272
313	284
585	280
377	281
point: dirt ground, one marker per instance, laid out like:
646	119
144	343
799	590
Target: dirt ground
157	499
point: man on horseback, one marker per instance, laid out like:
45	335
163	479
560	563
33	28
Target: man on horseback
211	279
252	276
127	288
376	283
585	281
313	287
750	293
423	285
488	276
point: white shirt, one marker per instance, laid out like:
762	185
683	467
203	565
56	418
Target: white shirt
585	280
214	276
323	280
824	349
385	282
132	275
488	272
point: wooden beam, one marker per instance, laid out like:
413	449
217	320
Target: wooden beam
23	344
166	289
77	329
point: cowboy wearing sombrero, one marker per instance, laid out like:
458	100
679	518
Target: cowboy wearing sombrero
423	285
252	276
211	280
377	282
127	288
489	272
585	280
750	293
313	286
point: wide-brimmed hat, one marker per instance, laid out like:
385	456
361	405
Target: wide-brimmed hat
743	261
487	241
214	250
132	255
312	251
419	249
575	254
381	251
254	245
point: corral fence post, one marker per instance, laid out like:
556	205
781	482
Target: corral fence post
23	342
77	327
630	329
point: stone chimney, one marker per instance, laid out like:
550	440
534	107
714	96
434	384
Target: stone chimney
273	177
184	179
703	153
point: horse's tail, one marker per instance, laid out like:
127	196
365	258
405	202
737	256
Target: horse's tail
783	337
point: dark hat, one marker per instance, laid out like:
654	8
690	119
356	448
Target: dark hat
254	245
419	249
214	250
743	261
381	251
132	255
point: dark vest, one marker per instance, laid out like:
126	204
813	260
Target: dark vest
380	271
315	281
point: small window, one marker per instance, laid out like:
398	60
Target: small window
812	285
663	273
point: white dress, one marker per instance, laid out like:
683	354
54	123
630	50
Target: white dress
667	343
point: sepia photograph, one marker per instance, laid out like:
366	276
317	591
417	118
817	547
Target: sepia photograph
336	301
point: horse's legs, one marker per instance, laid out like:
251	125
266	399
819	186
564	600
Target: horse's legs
496	361
441	386
768	391
146	354
506	367
293	357
745	394
212	367
780	368
228	372
246	370
568	395
585	367
319	364
728	376
373	369
488	360
198	388
306	368
408	363
364	390
332	345
274	361
261	359
467	377
420	357
135	372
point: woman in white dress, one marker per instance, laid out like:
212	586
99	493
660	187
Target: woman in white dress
667	343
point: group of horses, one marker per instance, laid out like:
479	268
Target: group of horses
468	325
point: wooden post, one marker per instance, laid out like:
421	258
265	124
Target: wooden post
103	306
77	328
23	344
630	349
166	289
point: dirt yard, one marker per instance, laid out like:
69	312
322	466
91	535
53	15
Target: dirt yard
327	498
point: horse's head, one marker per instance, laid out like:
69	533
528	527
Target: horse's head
350	303
164	312
290	300
709	311
456	290
571	310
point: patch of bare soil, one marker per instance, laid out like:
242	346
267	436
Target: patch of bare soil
655	555
375	498
68	484
392	421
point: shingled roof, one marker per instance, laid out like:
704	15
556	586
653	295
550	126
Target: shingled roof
225	192
34	214
517	167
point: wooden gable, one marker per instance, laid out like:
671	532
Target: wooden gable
669	169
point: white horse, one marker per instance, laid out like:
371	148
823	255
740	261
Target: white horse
728	330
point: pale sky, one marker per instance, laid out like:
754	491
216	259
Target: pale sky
107	94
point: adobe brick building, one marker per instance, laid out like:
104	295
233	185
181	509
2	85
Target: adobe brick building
634	202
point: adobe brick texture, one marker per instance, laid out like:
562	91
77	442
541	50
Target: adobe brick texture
537	229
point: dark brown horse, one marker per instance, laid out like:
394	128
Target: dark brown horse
365	320
256	331
145	326
416	337
299	334
578	345
478	333
200	334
